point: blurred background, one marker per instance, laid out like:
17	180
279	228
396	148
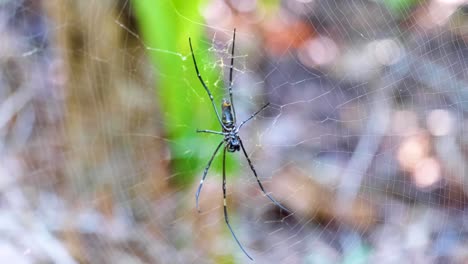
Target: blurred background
364	140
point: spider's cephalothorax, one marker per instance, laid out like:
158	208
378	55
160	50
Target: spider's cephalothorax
232	142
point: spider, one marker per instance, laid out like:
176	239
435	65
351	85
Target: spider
232	142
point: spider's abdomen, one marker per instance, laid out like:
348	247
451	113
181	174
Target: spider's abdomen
227	116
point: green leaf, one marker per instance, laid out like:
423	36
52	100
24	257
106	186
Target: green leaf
401	8
165	27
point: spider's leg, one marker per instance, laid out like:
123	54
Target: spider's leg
210	132
204	85
230	75
258	180
225	208
205	173
251	116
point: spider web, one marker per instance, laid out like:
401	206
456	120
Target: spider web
363	141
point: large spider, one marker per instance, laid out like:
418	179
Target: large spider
232	142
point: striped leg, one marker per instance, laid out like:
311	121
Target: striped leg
225	208
204	85
230	75
258	180
205	173
251	116
210	132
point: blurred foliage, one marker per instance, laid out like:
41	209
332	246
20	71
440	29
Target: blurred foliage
166	27
401	7
270	4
